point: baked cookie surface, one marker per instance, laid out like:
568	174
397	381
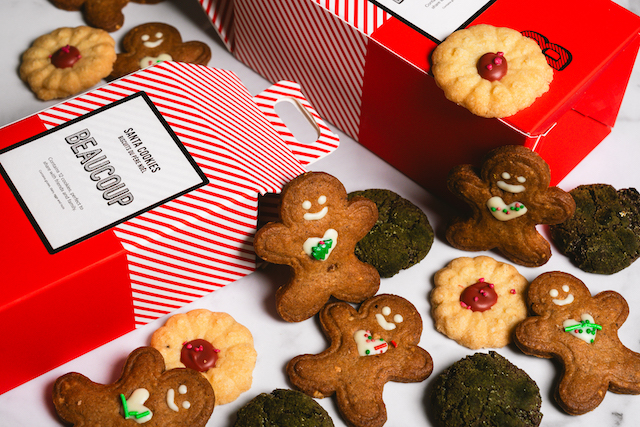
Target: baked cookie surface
283	408
603	235
369	347
580	331
212	343
485	390
316	236
518	71
146	393
67	61
400	238
478	302
508	196
154	42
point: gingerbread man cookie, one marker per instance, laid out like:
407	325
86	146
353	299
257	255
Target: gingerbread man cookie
317	235
104	14
145	394
369	347
508	197
151	43
582	332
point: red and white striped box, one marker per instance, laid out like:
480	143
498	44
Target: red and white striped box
366	69
106	285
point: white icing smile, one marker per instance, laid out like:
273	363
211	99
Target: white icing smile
313	216
171	398
503	212
382	321
145	39
561	301
511	188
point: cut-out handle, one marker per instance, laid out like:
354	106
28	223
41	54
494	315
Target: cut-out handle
305	152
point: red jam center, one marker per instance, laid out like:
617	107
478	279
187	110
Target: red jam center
492	66
479	297
65	57
199	355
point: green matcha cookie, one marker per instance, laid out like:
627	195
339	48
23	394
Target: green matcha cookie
485	390
283	408
603	236
401	237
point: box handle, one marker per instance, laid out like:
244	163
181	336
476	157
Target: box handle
288	91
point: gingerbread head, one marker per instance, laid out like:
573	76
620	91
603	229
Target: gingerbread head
507	198
145	394
581	331
317	235
369	347
151	43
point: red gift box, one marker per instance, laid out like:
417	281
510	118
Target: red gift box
58	305
367	70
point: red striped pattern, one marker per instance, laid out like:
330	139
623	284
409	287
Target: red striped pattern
305	153
220	13
361	14
278	38
201	241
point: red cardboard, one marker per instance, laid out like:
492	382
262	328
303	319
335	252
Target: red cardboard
378	89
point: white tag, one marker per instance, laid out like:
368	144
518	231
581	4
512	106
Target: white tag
437	19
99	170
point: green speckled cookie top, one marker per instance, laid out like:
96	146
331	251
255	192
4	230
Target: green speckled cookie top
401	237
283	408
603	236
485	390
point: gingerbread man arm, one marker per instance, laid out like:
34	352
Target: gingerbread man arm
194	52
552	206
614	305
534	336
362	214
268	244
105	14
464	182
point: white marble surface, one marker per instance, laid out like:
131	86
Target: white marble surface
251	300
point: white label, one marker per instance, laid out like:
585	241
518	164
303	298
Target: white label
94	172
437	19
